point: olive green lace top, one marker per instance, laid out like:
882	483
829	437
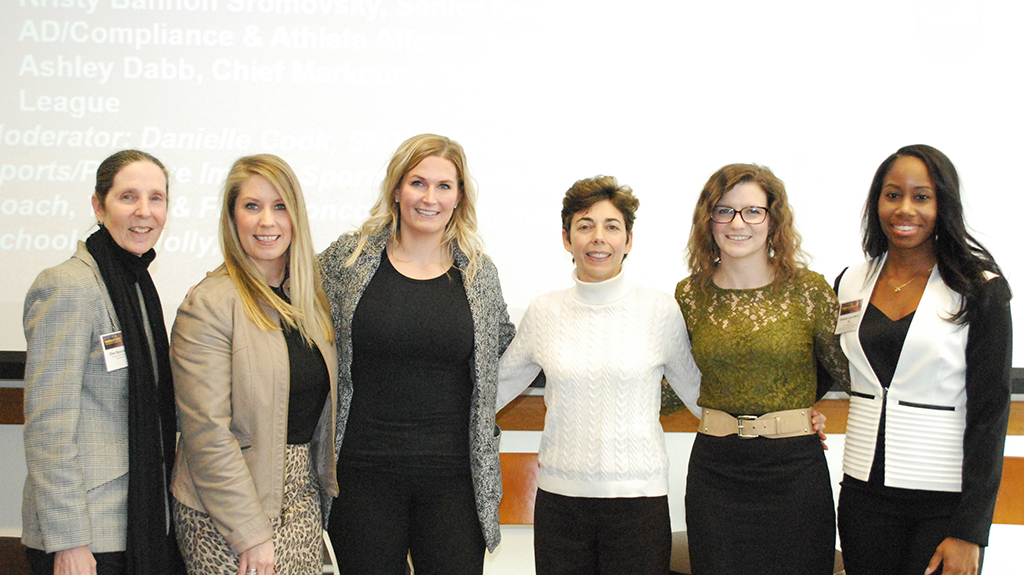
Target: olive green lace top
756	348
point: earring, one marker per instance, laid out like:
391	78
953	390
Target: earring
456	205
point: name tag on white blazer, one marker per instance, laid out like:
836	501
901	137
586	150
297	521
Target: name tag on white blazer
113	351
849	316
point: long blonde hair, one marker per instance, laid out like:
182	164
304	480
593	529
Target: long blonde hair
461	230
309	309
784	253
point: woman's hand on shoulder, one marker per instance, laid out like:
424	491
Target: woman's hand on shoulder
957	557
259	558
74	561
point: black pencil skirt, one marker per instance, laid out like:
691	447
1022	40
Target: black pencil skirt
760	506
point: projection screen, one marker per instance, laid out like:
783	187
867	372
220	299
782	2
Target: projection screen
657	93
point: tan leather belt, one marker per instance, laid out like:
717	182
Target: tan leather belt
774	425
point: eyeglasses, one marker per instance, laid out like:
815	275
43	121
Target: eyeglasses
749	214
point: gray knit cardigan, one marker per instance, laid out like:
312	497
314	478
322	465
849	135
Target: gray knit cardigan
492	333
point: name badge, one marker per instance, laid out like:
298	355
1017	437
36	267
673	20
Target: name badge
849	316
113	351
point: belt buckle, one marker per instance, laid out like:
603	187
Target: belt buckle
739	426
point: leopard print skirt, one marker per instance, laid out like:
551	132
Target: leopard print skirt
298	540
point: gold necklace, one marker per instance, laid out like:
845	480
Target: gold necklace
898	288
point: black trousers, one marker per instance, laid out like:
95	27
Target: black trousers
380	517
41	562
607	536
882	534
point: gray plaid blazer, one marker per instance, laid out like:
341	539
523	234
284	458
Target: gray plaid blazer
76	414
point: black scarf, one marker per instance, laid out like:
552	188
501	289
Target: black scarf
151	549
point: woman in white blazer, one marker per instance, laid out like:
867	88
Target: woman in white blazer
925	324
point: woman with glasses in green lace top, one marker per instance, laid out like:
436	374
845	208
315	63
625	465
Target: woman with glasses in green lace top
758	493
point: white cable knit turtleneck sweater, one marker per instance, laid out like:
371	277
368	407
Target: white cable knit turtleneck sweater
603	347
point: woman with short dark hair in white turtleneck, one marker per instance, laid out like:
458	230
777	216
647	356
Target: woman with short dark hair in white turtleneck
604	346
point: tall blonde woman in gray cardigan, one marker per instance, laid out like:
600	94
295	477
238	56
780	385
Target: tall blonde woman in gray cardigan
421	324
252	351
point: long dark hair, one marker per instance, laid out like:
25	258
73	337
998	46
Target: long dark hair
962	260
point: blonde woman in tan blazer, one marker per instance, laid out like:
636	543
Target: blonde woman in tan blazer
252	351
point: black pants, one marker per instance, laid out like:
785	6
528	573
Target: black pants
380	517
41	562
607	536
892	535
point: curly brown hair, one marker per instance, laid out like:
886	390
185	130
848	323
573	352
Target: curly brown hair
784	251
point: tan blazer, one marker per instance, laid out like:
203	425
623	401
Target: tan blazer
231	383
